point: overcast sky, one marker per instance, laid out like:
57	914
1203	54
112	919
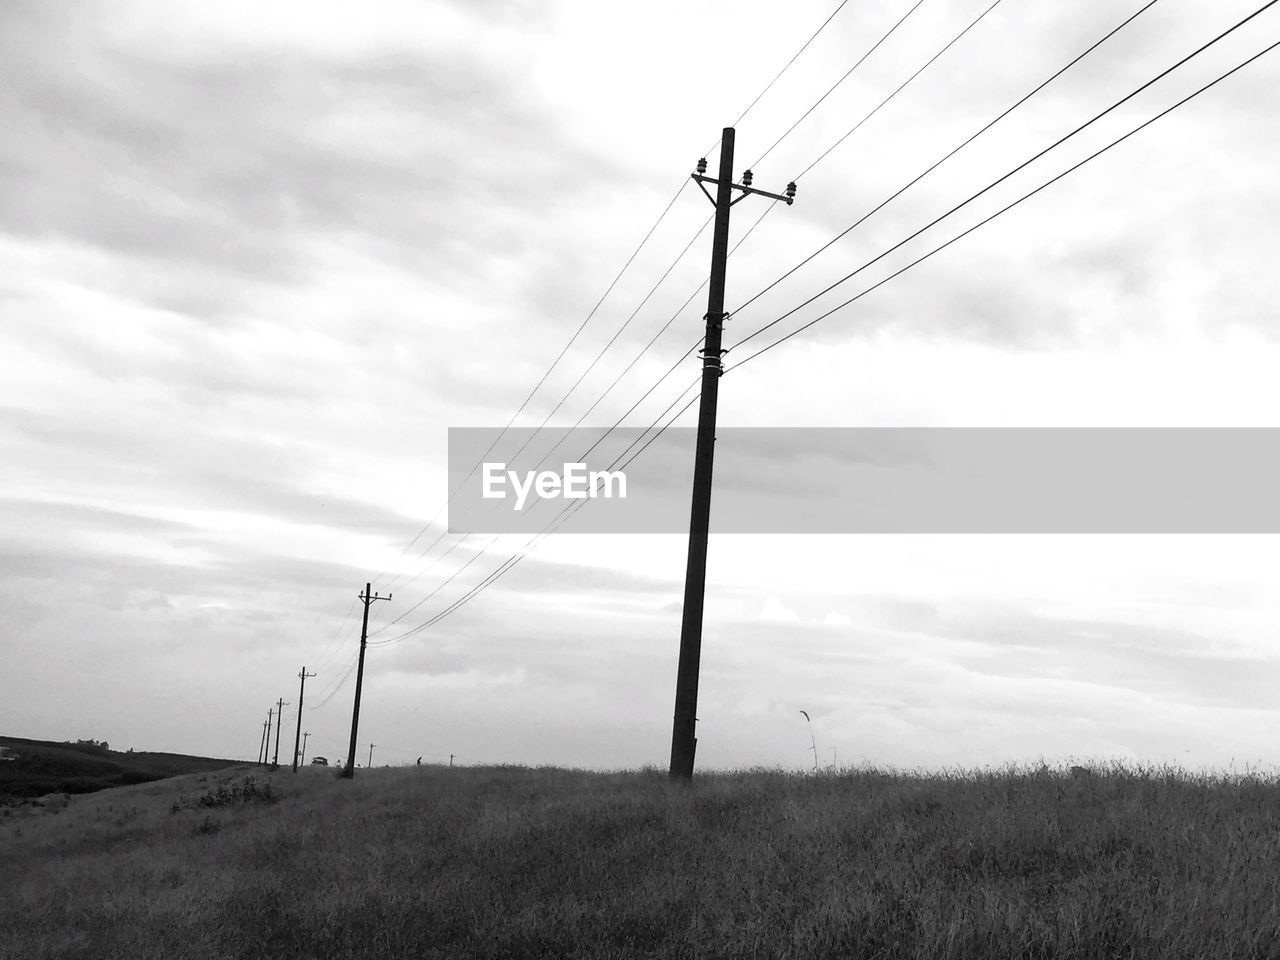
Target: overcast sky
255	259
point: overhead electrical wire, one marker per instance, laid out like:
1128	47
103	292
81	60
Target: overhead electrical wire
964	203
765	213
440	586
434	563
618	423
671	203
523	405
769	86
767	210
614	339
332	688
905	83
515	558
670	370
338	629
512	561
833	87
333	650
555	523
614	383
1010	206
547	373
940	161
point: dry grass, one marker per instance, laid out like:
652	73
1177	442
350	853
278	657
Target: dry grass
512	862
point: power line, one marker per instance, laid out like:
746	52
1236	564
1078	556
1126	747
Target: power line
671	203
326	661
625	266
794	58
937	163
440	586
559	519
610	343
1015	203
348	669
409	546
554	363
670	370
593	406
429	567
552	526
572	339
429	547
1164	73
592	365
905	83
846	76
581	327
342	622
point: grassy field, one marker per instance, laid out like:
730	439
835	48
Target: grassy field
514	862
43	767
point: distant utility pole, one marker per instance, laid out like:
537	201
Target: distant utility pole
369	765
267	752
298	734
684	738
262	742
305	734
367	597
280	705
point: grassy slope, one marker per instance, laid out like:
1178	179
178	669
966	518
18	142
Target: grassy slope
510	862
44	767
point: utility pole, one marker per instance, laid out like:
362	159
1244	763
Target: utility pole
369	765
267	752
368	598
280	705
298	734
305	734
684	738
262	742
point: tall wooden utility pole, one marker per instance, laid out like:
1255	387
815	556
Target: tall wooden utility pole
262	743
305	734
684	738
298	734
369	765
367	597
281	703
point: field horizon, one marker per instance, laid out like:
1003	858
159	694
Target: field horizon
509	862
40	768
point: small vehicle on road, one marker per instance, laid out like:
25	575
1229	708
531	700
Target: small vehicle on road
319	762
